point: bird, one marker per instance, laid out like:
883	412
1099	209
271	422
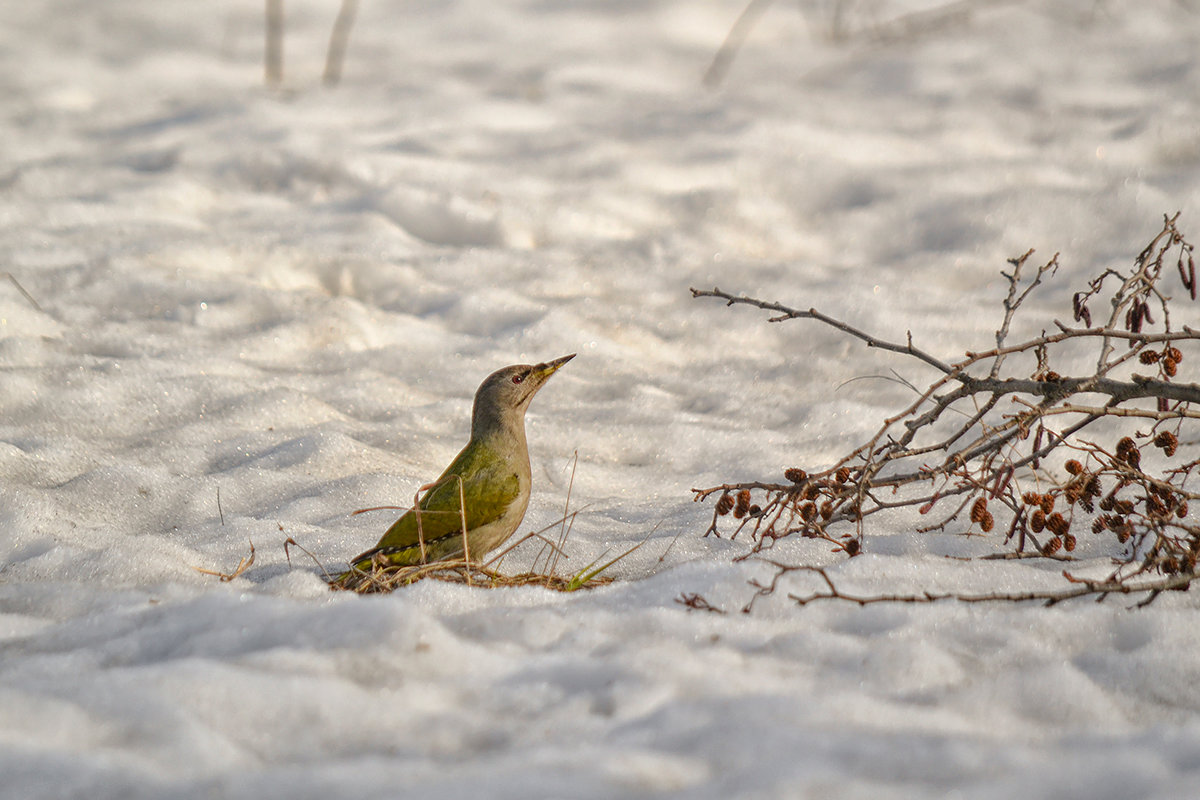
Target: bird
484	490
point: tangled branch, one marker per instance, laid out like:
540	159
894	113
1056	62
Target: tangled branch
992	442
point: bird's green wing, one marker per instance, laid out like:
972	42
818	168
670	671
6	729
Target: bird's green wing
489	487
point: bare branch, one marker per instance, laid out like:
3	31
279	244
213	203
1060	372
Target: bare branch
786	313
1080	587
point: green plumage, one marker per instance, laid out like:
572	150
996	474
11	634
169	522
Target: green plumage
486	486
487	491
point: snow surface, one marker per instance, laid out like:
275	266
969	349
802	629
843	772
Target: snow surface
288	297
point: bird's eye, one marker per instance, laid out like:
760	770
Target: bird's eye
518	378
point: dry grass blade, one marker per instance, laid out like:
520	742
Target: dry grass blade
293	543
494	561
356	512
226	577
462	516
565	526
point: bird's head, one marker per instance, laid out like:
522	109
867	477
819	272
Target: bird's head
503	397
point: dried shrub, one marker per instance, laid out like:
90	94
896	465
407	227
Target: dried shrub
1005	447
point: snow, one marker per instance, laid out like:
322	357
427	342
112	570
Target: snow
258	310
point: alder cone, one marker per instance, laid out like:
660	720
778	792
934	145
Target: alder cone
724	504
743	504
978	509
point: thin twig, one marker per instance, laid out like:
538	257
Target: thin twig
274	43
28	297
565	529
733	42
786	313
694	601
338	40
1081	587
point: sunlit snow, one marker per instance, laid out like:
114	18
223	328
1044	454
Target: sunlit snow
252	311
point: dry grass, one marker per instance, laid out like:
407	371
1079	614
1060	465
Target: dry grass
226	577
383	577
388	579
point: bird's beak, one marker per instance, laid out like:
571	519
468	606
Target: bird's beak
550	367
